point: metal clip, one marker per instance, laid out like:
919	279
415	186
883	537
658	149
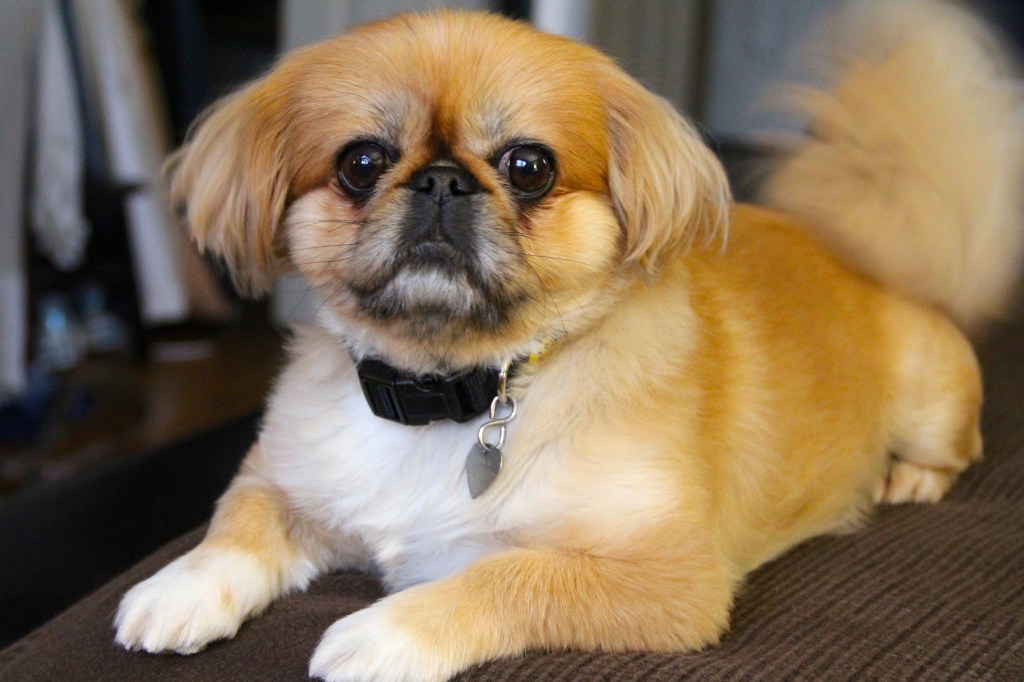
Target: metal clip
483	464
497	422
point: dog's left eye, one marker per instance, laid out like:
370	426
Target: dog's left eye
360	166
530	170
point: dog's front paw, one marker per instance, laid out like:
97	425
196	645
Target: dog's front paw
199	598
372	645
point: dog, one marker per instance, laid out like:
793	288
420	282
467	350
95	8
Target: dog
561	391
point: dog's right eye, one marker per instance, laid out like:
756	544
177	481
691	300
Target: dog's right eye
360	166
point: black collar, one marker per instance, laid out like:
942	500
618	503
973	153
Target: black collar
416	400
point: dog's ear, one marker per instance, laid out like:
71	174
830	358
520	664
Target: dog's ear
230	182
668	188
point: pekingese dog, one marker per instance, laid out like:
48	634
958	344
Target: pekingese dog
561	391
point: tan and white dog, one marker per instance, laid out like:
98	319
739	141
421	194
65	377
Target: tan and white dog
712	383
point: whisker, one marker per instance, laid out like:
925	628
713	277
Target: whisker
550	297
329	261
326	221
300	300
561	258
328	299
541	255
326	246
326	264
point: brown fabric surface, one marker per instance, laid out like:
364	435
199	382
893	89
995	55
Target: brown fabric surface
925	592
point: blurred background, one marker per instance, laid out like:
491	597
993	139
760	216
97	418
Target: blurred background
131	376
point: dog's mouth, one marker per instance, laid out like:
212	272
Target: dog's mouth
438	254
435	255
433	287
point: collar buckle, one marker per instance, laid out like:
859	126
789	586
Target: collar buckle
418	400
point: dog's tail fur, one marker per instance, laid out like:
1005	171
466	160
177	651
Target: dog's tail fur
913	170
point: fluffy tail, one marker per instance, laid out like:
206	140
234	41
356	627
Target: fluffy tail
914	167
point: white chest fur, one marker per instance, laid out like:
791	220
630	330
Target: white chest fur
401	490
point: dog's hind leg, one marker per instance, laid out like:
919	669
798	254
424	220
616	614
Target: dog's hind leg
938	399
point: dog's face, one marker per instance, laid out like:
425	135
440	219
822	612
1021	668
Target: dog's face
457	186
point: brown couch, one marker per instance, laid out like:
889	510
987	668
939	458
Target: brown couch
923	593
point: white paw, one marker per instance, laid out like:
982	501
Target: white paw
199	598
370	645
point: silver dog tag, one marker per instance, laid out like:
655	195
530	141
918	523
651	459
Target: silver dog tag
482	467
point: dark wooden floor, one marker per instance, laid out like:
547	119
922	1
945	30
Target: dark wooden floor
115	405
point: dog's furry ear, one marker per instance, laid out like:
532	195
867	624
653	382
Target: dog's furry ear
230	183
668	188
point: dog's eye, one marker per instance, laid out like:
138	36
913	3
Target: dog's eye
529	169
360	165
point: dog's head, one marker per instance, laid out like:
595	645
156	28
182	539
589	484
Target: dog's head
457	186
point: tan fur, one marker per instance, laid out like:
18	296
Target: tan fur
708	403
253	519
236	157
551	598
660	173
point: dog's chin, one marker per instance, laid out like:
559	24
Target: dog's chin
430	299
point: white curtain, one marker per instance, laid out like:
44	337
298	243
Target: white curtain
120	80
58	222
19	31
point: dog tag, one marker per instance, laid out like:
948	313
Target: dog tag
482	467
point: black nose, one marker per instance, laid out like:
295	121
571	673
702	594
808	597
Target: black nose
441	181
444	207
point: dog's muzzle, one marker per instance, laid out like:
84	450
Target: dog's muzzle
444	210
